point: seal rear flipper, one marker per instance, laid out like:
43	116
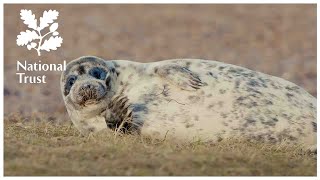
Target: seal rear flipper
180	76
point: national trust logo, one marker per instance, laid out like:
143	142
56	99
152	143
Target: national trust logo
36	37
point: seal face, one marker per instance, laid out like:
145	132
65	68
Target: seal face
187	99
86	82
86	85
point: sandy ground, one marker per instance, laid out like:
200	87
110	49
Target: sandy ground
275	39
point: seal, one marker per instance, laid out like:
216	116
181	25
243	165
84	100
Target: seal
187	99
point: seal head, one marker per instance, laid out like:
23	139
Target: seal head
87	85
87	80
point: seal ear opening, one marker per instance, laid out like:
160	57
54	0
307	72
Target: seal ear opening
108	81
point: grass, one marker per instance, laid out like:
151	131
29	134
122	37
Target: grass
36	147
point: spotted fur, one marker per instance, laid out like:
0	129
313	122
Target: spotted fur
190	99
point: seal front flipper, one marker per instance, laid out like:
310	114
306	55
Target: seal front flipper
123	116
180	76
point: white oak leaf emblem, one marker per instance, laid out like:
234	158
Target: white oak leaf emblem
26	38
52	43
29	18
47	18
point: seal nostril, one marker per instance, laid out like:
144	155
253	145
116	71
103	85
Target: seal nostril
87	86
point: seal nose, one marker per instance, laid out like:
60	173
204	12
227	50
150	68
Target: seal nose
87	92
92	91
87	86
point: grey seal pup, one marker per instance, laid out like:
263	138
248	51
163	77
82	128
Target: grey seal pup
187	99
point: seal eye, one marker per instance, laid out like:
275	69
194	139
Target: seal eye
98	73
70	81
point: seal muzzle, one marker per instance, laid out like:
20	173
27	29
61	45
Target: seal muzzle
88	92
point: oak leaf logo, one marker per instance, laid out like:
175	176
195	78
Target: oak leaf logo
28	37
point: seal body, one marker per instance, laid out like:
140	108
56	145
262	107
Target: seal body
192	99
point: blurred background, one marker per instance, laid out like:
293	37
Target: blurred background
279	40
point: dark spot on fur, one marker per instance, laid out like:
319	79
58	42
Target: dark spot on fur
84	123
241	98
311	106
263	82
235	71
271	139
314	126
118	73
212	75
210	106
222	91
270	122
293	88
196	118
237	83
289	95
300	131
250	120
116	64
81	70
194	98
247	101
221	67
66	92
220	103
268	102
253	90
209	95
165	91
91	129
223	115
188	64
274	86
231	70
248	74
139	107
189	125
253	83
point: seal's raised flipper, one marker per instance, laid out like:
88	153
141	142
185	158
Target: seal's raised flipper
180	76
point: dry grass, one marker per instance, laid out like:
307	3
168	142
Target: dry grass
36	147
